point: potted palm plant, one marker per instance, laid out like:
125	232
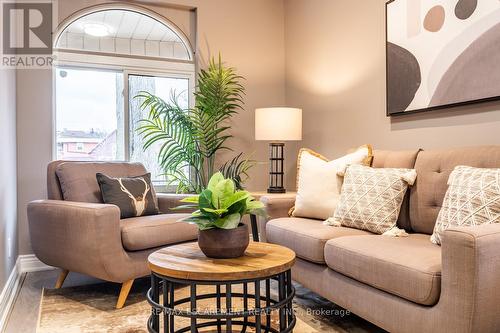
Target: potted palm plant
219	210
191	139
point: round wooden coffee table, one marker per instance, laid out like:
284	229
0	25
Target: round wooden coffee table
186	264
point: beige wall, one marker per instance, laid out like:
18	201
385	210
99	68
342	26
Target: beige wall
335	70
249	35
8	218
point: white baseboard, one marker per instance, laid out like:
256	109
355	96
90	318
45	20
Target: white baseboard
8	295
30	263
24	264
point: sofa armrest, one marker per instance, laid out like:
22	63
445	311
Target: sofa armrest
167	201
471	276
76	236
276	205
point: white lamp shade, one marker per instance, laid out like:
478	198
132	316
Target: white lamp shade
278	124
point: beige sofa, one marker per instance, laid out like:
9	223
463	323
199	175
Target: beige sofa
89	237
404	284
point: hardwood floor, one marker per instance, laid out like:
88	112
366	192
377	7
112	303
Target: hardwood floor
24	315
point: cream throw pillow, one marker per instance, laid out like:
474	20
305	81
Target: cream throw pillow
371	199
319	183
472	198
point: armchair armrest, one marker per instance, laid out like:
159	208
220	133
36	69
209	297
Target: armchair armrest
167	201
276	205
76	236
471	276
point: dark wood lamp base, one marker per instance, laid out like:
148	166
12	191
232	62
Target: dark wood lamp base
276	167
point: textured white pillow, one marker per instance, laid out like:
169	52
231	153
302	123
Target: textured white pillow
472	198
371	199
319	181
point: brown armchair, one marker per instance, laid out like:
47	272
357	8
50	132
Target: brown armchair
89	237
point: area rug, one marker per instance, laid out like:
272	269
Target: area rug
91	309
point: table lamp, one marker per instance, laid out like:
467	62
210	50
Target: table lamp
277	125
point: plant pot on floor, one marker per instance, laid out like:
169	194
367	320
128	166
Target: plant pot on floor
224	243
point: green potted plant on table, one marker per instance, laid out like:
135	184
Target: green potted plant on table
220	208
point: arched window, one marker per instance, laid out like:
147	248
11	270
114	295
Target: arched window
123	32
105	57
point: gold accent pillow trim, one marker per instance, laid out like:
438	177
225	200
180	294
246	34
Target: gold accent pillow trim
299	158
366	161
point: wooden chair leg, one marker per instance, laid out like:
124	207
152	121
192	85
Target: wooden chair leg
124	293
61	278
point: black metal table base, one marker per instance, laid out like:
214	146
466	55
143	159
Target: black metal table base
223	315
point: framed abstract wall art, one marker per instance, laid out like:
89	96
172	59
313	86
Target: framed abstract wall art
441	53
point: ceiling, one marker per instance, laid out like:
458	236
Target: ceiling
126	24
130	33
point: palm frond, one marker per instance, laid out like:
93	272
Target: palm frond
191	138
237	169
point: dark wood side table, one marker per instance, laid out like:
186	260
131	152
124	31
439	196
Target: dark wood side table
186	264
255	228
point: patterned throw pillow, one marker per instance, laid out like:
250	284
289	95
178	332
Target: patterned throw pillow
135	196
472	198
371	199
319	181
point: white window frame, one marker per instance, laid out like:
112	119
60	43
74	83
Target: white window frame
184	75
127	65
168	69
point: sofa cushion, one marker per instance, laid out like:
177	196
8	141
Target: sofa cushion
306	237
409	267
394	158
433	169
398	159
145	232
78	179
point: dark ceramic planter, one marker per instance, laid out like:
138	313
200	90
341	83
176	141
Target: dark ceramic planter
224	244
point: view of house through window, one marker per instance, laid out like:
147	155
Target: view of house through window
89	115
98	76
91	120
